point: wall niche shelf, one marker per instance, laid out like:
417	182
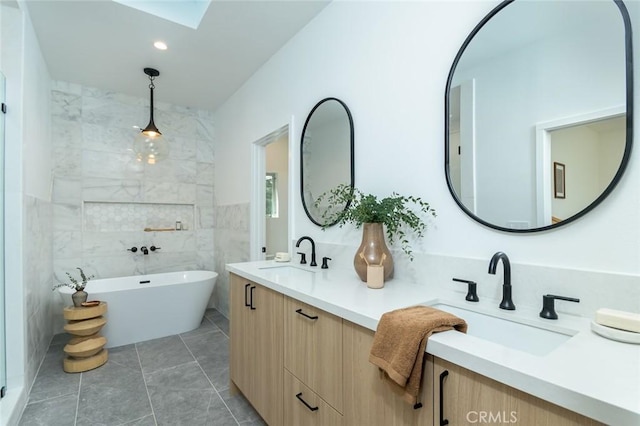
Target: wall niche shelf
108	216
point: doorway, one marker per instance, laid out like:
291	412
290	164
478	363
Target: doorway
271	195
586	150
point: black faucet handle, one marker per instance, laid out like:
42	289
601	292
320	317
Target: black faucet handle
548	306
303	258
325	265
154	248
133	249
472	295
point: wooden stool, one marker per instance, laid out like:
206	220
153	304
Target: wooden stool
85	351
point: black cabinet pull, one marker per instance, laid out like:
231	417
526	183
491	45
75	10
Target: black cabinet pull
299	311
443	421
251	298
299	396
246	299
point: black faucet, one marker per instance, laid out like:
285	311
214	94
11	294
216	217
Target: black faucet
144	250
506	303
313	249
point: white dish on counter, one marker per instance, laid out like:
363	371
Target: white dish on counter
615	334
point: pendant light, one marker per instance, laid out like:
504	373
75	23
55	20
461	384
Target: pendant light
149	145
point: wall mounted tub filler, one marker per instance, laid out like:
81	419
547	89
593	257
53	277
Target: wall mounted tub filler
506	303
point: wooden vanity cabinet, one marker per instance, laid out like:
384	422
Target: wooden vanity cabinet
313	349
256	346
368	397
470	398
304	407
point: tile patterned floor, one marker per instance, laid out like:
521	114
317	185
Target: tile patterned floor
176	380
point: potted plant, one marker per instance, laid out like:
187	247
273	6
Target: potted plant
397	214
80	295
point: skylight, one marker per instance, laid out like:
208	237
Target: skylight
184	12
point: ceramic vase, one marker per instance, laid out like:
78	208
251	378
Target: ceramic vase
373	250
79	297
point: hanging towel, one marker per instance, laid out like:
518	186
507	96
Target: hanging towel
400	342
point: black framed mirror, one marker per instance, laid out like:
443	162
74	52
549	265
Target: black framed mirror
326	155
539	113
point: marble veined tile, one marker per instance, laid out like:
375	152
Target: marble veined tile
110	243
115	97
176	124
112	113
204	195
205	152
67	243
67	161
98	137
169	192
205	217
170	262
66	106
171	170
181	148
126	265
204	238
204	127
111	165
65	133
205	173
105	189
67	189
171	242
67	217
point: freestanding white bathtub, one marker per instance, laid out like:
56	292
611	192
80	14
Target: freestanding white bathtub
145	307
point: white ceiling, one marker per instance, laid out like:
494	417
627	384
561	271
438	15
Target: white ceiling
104	44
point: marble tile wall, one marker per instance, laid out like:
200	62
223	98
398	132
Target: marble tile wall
95	170
231	245
37	273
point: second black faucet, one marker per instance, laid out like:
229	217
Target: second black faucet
506	303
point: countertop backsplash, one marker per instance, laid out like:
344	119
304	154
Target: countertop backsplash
530	282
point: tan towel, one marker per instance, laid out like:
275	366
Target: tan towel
401	339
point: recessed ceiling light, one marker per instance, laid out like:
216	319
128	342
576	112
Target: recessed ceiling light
160	45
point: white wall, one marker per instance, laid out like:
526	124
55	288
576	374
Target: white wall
389	62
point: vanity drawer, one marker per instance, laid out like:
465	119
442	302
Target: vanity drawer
313	349
302	406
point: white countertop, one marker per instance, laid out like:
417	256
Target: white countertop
588	374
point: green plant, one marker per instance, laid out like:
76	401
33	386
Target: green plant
75	284
394	212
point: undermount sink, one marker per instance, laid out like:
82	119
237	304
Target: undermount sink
511	334
285	269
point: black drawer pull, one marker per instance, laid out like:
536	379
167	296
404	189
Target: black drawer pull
299	396
443	421
253	308
299	311
246	299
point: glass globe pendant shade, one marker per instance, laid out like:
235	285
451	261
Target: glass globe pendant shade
150	147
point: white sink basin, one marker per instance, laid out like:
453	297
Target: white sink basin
285	269
507	333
